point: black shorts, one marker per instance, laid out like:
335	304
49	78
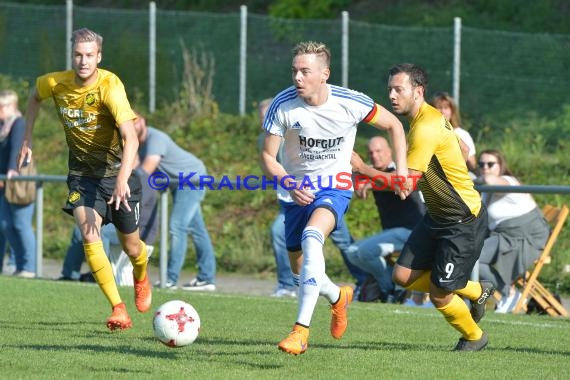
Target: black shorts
450	251
96	192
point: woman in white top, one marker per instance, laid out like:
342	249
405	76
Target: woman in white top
447	106
518	231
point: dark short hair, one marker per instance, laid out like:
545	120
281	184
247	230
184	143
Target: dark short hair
418	76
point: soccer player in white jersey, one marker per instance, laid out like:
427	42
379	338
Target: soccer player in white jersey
318	123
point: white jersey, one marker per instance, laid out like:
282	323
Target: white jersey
504	206
467	139
318	140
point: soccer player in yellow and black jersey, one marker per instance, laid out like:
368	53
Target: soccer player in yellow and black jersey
103	188
443	248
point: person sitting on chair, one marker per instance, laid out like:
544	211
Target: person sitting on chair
518	230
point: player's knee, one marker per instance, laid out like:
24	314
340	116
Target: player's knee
401	277
132	247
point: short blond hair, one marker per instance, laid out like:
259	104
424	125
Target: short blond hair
87	35
317	48
8	97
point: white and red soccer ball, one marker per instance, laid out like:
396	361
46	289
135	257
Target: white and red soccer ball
176	323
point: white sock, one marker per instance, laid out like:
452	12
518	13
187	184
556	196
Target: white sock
312	273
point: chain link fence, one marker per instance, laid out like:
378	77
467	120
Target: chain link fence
503	74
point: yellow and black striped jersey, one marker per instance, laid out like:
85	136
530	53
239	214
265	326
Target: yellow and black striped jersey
434	150
90	116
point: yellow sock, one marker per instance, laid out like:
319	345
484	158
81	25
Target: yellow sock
457	315
421	283
139	263
102	271
471	291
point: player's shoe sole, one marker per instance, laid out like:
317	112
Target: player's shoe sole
339	312
478	306
119	319
296	342
143	294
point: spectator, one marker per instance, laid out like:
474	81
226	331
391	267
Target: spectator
397	219
159	153
447	106
318	123
518	230
15	219
340	237
97	119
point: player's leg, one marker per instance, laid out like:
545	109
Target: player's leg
89	222
87	203
126	222
314	281
457	314
297	341
413	268
478	247
136	250
330	207
451	272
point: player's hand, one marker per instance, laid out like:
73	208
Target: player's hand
356	162
361	191
403	190
302	197
121	195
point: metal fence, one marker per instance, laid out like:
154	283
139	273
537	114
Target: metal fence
163	211
495	74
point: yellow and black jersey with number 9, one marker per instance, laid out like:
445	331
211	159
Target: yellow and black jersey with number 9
434	150
90	116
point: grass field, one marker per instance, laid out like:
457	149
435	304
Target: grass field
55	330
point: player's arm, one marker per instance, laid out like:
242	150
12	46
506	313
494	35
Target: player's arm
34	102
273	168
383	119
381	178
269	163
130	148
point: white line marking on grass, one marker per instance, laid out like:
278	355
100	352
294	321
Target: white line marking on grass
554	324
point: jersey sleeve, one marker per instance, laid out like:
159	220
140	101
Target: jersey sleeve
117	102
273	122
44	85
372	115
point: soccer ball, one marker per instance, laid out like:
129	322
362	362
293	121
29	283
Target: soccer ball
176	323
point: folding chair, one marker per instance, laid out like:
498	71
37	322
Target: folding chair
529	284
